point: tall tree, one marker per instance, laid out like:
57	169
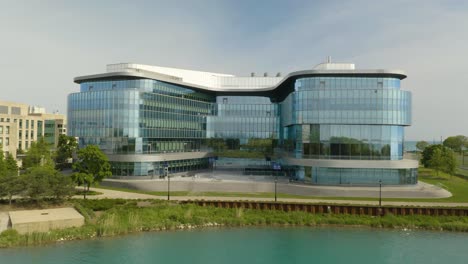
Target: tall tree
92	161
83	179
11	165
37	179
60	186
421	145
45	181
39	154
427	154
2	162
436	161
10	183
65	148
439	158
456	143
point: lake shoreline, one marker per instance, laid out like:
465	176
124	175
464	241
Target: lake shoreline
113	218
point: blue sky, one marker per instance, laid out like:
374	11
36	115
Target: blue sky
45	44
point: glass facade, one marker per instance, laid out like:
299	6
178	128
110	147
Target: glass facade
360	142
364	176
49	131
322	118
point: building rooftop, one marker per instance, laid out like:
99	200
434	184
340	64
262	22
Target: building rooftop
230	84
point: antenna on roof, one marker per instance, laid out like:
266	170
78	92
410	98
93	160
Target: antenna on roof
328	59
252	74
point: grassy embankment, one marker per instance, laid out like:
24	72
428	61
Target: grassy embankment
457	185
106	218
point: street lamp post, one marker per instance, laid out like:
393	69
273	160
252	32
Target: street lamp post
463	155
168	187
380	193
166	172
276	182
276	168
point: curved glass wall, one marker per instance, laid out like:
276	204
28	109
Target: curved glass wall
243	127
316	83
347	106
348	176
156	169
345	118
146	85
141	116
359	142
147	116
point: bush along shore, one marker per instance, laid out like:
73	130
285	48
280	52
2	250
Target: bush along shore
113	217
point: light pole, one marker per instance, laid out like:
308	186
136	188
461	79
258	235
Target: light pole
463	155
380	193
276	182
168	187
276	168
166	172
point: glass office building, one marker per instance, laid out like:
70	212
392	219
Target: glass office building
332	125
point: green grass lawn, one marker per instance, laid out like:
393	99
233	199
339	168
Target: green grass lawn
211	194
458	186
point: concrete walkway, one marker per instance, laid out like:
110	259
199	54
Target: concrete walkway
127	195
4	220
266	185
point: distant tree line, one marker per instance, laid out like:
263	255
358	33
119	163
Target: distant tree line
456	143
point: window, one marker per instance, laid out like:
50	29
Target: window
7	142
1	130
15	110
7	130
3	109
225	100
322	84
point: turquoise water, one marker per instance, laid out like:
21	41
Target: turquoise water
256	245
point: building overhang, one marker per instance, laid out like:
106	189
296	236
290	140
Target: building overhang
276	92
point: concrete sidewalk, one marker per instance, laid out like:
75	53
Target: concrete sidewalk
127	195
265	185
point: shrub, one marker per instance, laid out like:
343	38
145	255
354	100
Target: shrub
9	238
